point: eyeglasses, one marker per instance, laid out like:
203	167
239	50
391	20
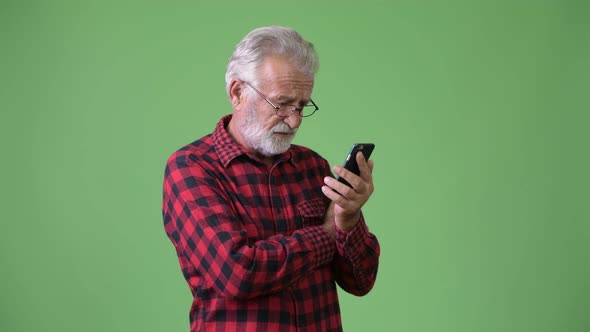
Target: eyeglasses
286	111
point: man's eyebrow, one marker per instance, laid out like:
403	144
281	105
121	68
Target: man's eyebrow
287	99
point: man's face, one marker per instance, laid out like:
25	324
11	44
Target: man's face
265	131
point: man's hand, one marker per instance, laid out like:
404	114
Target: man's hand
346	201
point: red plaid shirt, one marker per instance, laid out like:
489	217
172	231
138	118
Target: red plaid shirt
249	240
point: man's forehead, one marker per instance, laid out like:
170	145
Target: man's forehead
289	89
279	68
286	82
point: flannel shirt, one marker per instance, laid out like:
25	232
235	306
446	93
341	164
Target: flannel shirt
250	243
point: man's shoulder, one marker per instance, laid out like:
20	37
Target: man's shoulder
201	149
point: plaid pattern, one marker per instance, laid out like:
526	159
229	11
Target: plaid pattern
250	243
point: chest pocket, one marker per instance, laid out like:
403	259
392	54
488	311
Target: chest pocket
312	212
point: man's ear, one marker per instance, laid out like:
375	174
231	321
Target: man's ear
236	93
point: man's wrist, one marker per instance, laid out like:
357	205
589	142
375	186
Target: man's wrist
348	224
330	228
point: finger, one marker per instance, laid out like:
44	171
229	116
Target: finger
342	202
354	180
365	167
340	187
333	195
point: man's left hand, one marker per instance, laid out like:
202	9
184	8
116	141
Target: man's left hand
348	201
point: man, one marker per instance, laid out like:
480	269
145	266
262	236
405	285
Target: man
262	230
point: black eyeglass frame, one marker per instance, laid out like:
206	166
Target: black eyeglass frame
278	107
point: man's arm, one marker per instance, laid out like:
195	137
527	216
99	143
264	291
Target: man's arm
357	258
201	223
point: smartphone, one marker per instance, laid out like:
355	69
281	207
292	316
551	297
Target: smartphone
350	162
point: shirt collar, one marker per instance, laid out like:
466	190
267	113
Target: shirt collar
228	149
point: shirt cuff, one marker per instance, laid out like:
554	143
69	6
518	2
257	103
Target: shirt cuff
320	244
350	242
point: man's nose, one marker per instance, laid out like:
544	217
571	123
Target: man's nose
294	120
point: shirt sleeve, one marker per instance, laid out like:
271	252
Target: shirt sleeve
357	259
200	221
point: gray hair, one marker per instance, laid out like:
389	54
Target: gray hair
262	42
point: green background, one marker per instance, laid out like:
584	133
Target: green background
479	111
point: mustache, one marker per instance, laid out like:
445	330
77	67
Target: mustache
284	128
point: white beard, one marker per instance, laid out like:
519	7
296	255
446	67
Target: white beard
263	141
